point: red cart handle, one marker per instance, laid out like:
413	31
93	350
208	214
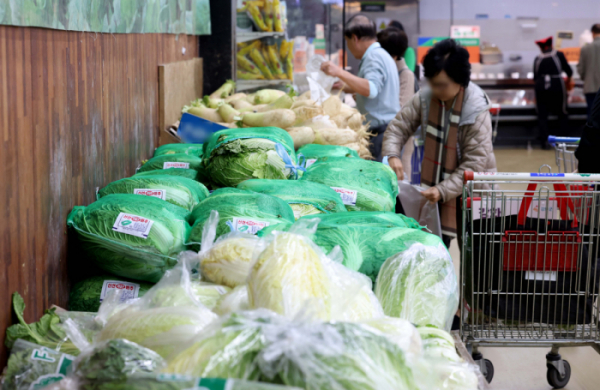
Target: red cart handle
564	202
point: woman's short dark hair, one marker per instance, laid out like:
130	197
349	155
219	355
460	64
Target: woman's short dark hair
396	24
361	26
449	56
393	41
596	28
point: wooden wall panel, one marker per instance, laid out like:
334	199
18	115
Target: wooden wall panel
77	111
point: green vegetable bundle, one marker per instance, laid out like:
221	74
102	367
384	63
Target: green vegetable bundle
179	191
234	155
86	294
170	161
178	172
240	210
136	237
191	149
316	151
305	198
363	185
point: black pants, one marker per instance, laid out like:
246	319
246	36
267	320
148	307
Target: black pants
550	102
589	98
377	142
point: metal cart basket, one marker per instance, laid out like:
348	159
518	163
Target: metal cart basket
530	265
565	147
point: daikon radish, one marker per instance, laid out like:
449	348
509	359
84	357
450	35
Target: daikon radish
304	96
340	121
319	122
355	122
332	106
303	103
254	108
227	112
335	136
210	114
212	102
229	125
354	146
304	114
347	110
235	97
301	136
241	104
267	96
365	153
278	118
250	98
283	102
224	91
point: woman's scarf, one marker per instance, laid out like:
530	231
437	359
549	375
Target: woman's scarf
440	158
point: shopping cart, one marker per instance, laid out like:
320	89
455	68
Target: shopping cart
565	147
495	113
417	161
530	270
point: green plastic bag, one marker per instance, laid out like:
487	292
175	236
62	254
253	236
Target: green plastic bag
87	294
191	149
180	191
313	152
178	172
363	185
239	210
234	155
169	161
133	236
305	198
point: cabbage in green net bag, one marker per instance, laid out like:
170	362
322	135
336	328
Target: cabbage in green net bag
87	294
363	185
313	152
239	210
305	198
191	149
169	161
234	155
133	236
179	191
187	173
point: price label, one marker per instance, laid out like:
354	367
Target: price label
134	225
348	196
310	162
160	194
125	290
248	225
181	165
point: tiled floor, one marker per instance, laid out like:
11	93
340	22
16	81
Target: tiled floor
525	368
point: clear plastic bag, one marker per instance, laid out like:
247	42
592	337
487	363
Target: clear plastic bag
399	331
419	285
236	300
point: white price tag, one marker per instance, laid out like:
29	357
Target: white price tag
310	162
160	194
348	196
133	225
248	225
182	165
126	290
548	276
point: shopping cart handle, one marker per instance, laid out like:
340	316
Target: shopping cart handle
567	140
530	177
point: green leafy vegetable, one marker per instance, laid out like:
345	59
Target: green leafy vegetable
189	173
165	162
191	149
85	295
315	151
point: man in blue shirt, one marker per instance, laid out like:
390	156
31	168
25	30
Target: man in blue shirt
376	86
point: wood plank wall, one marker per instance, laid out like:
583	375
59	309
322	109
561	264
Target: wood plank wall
77	111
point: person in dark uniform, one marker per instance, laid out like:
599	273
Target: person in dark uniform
550	89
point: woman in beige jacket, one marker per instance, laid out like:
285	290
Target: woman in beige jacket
454	115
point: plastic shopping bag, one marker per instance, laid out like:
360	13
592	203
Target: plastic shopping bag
418	207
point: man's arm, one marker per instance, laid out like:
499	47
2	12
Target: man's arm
354	83
581	64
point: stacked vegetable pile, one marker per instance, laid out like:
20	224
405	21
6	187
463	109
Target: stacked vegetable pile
265	61
306	121
287	275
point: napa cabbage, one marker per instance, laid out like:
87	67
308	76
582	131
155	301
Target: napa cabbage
229	261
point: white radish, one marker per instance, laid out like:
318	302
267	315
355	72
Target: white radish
227	112
283	102
240	104
235	97
335	136
210	114
304	114
278	118
267	96
332	106
303	103
301	136
355	122
304	96
354	146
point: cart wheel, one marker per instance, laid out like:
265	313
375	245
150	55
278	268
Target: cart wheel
554	378
489	370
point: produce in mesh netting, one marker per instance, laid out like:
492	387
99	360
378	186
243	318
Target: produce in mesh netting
313	152
180	191
188	173
136	237
241	211
86	295
305	198
191	149
167	161
234	155
363	185
419	285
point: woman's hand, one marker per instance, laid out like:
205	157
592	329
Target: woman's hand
397	167
432	194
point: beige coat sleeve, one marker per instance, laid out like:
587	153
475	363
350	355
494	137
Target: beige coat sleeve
402	127
475	143
407	87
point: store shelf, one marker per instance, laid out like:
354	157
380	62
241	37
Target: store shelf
250	36
244	85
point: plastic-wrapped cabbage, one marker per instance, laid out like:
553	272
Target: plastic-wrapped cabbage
313	152
289	276
87	294
191	149
400	332
180	191
241	211
168	161
234	155
363	185
334	356
177	172
132	236
226	349
236	300
419	285
305	198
